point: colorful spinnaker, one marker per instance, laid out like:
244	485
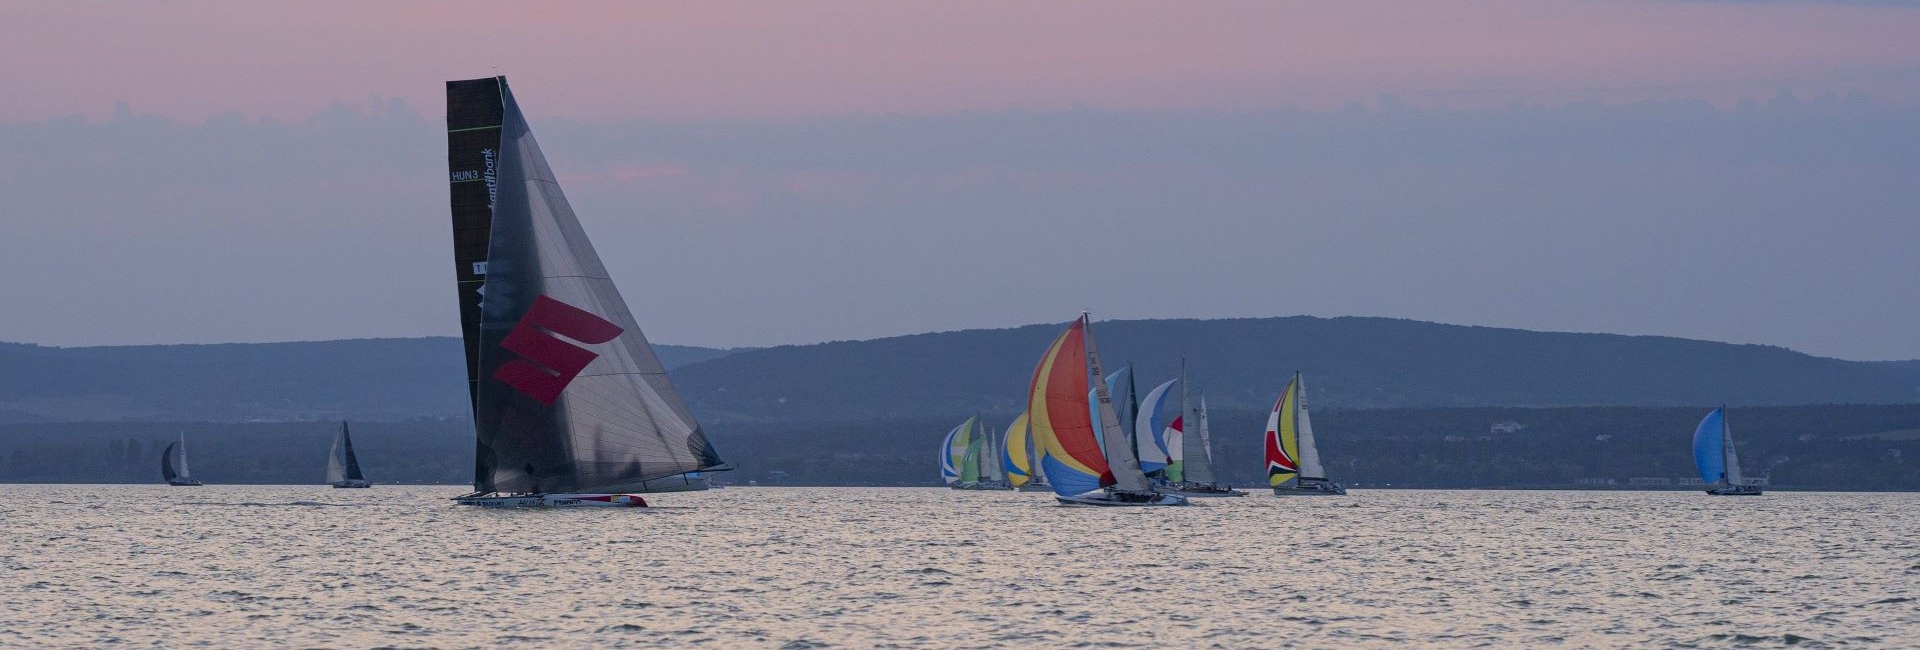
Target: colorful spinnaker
1062	415
1015	458
1293	462
1149	430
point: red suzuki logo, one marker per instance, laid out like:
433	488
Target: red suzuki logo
548	364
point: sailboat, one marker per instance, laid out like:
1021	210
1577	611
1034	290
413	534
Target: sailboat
1061	419
1196	472
1293	464
1713	455
1019	459
180	477
968	459
570	405
343	468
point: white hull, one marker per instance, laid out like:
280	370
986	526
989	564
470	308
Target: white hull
981	486
1114	499
1315	488
1734	491
1206	491
554	501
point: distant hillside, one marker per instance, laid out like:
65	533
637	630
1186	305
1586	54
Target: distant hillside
1242	364
360	378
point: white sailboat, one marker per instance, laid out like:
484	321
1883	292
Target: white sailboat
1714	456
1293	461
343	467
180	477
571	406
1197	478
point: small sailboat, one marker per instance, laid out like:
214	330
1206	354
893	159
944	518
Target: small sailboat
343	468
1019	457
1293	463
571	407
180	477
1062	420
1196	472
968	459
1714	456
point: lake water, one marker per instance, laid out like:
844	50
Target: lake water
402	567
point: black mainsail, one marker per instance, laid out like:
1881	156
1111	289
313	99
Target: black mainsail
567	393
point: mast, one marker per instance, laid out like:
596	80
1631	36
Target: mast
1120	460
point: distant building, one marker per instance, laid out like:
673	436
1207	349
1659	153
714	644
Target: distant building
1506	426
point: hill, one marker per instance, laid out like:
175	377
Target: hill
322	380
1242	364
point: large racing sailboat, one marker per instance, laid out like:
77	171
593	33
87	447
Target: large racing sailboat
177	477
343	468
570	405
1196	479
1061	419
1714	456
1293	463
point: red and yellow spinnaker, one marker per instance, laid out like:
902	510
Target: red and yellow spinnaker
1059	414
1283	443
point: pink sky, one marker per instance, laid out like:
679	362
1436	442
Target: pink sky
188	59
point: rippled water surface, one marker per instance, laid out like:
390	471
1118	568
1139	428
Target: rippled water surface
253	566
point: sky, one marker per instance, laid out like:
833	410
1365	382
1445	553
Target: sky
757	173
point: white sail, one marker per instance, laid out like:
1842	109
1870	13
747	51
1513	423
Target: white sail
1309	455
184	474
1733	458
990	469
1196	460
1126	469
336	462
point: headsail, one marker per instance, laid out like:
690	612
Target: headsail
951	450
1196	459
1309	453
1060	417
1709	448
1123	466
567	393
1149	430
167	472
1014	458
1175	437
336	462
1282	439
184	472
971	452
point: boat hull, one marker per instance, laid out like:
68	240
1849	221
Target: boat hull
1310	488
1201	491
553	501
1734	491
1120	499
185	482
1035	488
981	486
353	484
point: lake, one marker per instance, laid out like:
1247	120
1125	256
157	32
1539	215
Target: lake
402	567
